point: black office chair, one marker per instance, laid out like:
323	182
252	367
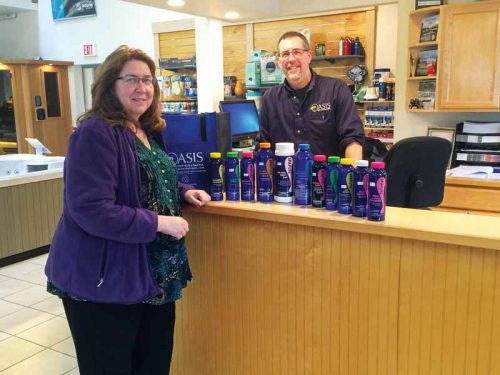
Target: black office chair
416	171
374	149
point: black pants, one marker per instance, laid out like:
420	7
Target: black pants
121	339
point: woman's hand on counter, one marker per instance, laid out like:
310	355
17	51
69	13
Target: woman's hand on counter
174	226
197	198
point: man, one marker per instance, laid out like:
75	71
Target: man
308	108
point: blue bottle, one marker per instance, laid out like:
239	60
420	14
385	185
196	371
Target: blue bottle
232	176
332	183
264	172
356	46
247	172
345	186
360	188
302	175
283	172
216	176
319	181
377	189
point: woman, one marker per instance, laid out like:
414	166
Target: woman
118	259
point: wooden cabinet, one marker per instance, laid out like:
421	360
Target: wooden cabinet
469	57
468	63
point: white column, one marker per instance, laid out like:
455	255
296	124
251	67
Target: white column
209	63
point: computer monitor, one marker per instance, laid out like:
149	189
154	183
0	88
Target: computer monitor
243	119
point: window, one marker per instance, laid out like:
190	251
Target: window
52	94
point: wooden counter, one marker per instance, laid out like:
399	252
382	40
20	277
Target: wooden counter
283	290
471	195
30	207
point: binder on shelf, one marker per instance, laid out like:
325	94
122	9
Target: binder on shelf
477	143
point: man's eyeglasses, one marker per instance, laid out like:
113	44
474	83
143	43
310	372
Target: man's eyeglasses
132	80
296	52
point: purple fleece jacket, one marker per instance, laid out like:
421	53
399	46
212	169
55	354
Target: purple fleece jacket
98	251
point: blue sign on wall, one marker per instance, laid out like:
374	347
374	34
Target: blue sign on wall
66	9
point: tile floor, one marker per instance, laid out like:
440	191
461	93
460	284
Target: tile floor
34	336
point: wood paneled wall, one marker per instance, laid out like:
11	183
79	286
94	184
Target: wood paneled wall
326	29
28	215
275	298
180	44
235	51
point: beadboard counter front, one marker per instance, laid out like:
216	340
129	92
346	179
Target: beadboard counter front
30	207
280	289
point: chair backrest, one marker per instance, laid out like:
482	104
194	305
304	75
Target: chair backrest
416	171
374	149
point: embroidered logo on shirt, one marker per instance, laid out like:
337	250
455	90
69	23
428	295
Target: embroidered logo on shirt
320	107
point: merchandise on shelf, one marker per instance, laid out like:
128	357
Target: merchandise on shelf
379	117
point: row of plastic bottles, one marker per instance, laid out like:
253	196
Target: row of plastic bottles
302	178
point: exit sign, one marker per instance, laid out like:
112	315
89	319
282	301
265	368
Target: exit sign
89	49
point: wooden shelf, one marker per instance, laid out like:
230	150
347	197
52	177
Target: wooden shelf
375	101
332	59
177	68
386	129
426	10
424	45
190	99
421	78
265	87
421	110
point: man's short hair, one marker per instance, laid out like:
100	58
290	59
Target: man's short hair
293	34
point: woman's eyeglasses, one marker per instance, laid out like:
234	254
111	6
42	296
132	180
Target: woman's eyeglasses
296	52
132	80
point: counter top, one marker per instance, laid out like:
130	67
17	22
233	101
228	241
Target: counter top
30	177
444	227
464	181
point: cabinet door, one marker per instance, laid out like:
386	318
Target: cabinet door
469	57
51	107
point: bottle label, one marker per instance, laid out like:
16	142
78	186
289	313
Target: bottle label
303	183
247	180
265	180
283	176
319	188
360	196
332	189
216	185
345	192
376	202
232	178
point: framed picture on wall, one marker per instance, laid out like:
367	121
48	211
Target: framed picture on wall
446	133
427	3
68	9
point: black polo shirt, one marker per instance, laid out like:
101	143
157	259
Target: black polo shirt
326	117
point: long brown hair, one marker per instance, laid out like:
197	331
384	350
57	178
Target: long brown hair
105	102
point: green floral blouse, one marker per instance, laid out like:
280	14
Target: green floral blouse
159	192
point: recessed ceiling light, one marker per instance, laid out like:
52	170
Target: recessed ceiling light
232	15
176	3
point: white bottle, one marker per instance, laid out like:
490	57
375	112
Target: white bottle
283	172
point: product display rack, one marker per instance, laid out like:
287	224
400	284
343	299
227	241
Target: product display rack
179	104
384	133
415	48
